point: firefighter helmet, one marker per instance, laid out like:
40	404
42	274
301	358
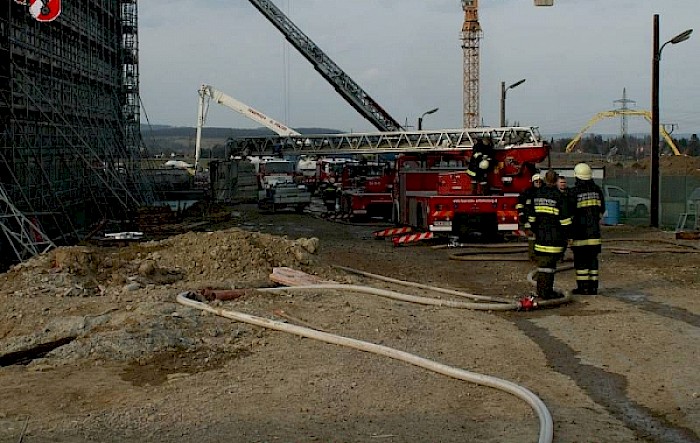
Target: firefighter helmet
583	172
484	164
536	177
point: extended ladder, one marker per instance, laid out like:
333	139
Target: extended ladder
385	142
341	82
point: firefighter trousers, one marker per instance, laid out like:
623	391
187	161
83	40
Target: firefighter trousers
586	264
546	268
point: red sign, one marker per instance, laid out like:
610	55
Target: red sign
45	10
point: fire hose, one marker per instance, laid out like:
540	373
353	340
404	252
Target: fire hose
546	433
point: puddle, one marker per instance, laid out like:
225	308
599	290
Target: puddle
605	388
642	302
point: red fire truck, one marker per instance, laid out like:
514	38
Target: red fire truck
433	191
367	190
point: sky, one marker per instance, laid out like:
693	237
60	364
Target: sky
576	56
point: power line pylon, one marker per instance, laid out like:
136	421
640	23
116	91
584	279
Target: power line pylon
624	101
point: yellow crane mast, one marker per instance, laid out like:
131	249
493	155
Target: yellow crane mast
471	36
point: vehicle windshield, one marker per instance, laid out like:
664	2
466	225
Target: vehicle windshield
365	170
278	167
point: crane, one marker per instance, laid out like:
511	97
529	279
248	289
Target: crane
471	36
341	82
209	92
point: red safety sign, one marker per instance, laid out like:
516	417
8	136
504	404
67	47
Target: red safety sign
44	10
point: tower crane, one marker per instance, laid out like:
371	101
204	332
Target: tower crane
471	37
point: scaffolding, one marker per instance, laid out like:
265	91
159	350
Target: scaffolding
70	145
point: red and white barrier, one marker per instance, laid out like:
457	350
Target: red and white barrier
392	232
412	238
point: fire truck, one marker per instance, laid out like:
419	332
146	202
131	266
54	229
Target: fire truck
432	190
434	193
366	190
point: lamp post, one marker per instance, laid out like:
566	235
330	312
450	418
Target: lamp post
420	119
503	98
655	173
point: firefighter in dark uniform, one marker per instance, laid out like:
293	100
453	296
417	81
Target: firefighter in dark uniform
587	205
480	163
525	208
550	222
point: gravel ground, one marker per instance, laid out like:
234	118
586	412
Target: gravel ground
94	346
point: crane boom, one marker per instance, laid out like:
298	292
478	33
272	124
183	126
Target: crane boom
208	91
343	84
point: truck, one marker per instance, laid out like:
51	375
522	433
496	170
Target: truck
366	190
279	187
630	206
433	191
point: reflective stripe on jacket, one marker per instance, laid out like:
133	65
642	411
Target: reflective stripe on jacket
550	221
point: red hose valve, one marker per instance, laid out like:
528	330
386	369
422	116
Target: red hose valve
527	303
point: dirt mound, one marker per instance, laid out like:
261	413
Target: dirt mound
195	257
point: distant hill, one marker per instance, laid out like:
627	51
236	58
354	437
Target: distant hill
211	132
180	139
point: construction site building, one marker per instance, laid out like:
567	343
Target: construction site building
70	143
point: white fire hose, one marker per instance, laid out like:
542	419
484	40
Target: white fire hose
545	419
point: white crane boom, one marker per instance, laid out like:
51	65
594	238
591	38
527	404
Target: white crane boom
208	91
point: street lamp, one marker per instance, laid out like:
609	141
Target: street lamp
420	119
655	173
503	98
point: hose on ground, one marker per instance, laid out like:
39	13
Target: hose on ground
505	305
502	306
421	285
546	433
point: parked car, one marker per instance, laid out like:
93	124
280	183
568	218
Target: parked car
630	206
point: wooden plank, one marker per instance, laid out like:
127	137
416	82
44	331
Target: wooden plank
292	277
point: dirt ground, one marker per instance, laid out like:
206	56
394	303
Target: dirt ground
94	346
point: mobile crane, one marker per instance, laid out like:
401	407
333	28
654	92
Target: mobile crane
207	92
275	176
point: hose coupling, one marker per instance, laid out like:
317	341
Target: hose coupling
527	303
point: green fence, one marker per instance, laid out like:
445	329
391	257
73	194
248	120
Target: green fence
675	192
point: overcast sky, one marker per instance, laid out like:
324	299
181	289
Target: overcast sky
577	57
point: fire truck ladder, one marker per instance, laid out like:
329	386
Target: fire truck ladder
343	84
385	142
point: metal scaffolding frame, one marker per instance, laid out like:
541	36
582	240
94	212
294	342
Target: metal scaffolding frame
70	140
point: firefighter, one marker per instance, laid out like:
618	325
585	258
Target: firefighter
550	223
587	205
525	209
481	162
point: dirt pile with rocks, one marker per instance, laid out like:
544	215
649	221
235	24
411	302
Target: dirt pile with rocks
107	303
